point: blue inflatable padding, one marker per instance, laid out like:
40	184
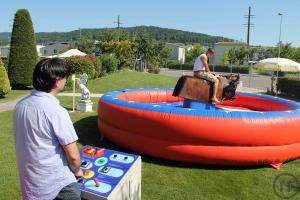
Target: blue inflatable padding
202	110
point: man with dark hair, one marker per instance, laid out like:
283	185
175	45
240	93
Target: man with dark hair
201	69
45	139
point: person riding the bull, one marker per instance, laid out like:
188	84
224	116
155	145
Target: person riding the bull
201	69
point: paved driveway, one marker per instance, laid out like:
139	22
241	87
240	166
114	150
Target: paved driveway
255	81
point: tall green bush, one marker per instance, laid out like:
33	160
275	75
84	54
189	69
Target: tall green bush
4	82
109	63
80	65
23	54
97	65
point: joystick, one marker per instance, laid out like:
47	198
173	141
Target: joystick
88	173
99	153
97	184
89	151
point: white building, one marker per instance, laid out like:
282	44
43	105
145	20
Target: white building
221	47
178	52
54	49
4	51
38	48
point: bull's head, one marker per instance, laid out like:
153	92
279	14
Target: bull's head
229	90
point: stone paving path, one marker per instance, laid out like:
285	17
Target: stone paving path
11	104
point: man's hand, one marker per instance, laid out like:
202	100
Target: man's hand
73	158
79	175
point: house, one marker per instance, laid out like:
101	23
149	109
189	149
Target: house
4	51
178	52
221	47
54	48
38	48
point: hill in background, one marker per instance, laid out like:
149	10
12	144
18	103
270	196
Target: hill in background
157	33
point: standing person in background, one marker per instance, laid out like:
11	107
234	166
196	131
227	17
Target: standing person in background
45	139
201	69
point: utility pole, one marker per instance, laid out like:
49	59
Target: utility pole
279	40
249	25
118	22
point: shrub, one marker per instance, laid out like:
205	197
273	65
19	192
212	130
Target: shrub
216	68
227	69
109	63
183	66
289	86
97	65
4	81
173	62
5	62
154	70
80	65
23	54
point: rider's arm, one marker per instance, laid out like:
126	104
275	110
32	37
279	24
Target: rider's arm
204	61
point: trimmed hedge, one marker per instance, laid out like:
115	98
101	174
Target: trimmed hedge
226	68
4	81
216	68
154	70
22	54
181	67
289	86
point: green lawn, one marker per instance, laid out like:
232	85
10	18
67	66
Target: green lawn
161	179
14	94
129	79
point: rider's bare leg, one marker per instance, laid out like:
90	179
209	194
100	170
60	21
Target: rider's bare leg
214	96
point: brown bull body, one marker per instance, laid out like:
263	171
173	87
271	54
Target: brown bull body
195	88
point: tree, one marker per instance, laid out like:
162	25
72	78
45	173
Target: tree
164	56
144	48
23	54
4	81
241	54
86	45
232	58
109	63
194	53
296	55
225	58
124	50
286	50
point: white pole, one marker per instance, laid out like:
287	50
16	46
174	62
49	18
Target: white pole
73	79
279	44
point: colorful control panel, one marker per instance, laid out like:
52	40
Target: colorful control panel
103	169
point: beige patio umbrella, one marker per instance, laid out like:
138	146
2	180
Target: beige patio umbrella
72	52
278	64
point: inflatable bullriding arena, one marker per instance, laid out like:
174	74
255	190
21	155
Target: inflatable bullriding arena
252	129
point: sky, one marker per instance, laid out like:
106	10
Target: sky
218	17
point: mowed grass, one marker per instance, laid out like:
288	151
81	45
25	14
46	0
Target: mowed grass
14	94
129	79
161	179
